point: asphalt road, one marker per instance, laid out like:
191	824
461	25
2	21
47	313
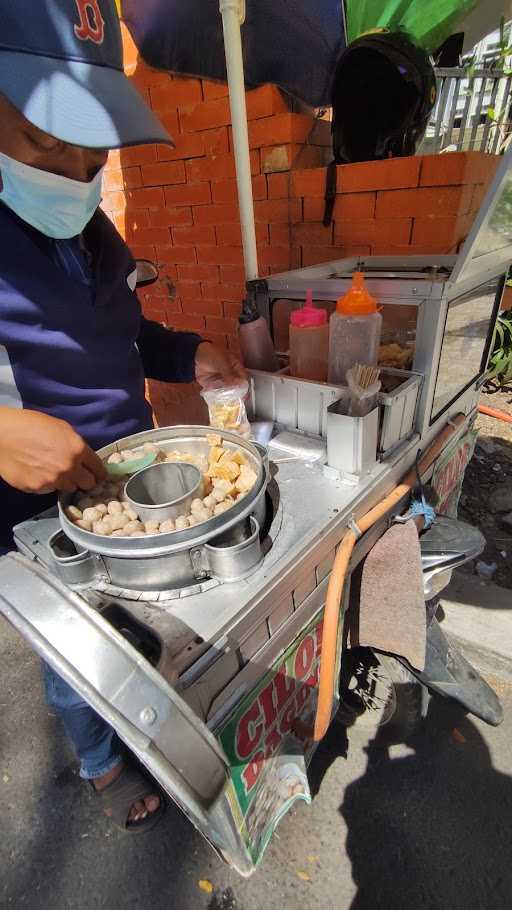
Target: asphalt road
428	827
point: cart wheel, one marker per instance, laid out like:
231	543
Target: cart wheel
379	697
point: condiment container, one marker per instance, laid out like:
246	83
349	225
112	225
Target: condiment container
309	341
354	331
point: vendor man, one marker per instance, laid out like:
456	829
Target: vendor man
74	348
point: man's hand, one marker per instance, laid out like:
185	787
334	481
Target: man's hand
40	454
216	366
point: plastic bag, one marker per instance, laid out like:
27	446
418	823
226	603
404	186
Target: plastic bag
226	409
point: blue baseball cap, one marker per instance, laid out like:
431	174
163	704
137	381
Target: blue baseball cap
61	66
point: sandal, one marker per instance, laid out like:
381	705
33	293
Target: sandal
119	796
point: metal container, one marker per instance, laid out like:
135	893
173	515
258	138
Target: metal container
231	556
164	562
351	441
163	491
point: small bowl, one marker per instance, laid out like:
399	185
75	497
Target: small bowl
164	490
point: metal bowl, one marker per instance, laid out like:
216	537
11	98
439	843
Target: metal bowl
193	440
164	490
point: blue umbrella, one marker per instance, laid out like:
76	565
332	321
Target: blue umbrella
291	43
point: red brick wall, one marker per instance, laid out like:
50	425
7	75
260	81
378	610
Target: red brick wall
178	207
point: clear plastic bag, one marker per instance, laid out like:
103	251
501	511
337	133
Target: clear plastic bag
226	408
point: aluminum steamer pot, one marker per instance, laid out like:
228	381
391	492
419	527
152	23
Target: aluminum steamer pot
166	562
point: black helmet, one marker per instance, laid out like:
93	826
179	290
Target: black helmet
384	90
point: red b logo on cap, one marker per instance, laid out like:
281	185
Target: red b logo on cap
92	24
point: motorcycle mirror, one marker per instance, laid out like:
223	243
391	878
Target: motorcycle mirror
147	273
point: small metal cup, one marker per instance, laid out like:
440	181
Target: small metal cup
164	490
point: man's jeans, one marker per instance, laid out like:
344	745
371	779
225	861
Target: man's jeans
97	745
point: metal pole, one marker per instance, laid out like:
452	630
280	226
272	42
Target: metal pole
233	15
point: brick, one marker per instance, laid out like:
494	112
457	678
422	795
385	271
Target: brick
278	186
355	206
188	145
226	190
202	307
232	309
198	234
177	255
120	179
440	232
179	92
199	272
457	168
314	255
321	135
424	202
216	214
214	89
280	234
186	289
221	324
264	102
143	251
394	173
278	129
171	123
181	215
217	167
278	211
224	292
276	257
138	219
232	274
216	142
219	255
146	198
187	323
155	235
220	167
114	202
137	154
207	115
196	194
164	172
395	231
314	233
231	234
292	157
309	182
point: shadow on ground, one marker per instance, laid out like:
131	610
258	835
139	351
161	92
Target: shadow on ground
429	829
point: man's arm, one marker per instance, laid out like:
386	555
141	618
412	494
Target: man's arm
167	355
185	357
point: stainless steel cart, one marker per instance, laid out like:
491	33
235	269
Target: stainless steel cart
211	682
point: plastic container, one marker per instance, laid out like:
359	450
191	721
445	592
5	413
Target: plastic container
256	346
226	408
354	331
309	341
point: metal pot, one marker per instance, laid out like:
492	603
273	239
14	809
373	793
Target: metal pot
162	562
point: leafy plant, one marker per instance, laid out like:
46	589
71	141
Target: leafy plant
500	363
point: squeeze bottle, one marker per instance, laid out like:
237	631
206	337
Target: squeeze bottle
354	331
257	348
309	341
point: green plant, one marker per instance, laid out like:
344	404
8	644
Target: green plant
500	363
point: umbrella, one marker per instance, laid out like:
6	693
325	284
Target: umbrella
291	43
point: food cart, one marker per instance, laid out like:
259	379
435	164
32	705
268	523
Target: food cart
205	651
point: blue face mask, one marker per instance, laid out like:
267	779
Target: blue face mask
55	205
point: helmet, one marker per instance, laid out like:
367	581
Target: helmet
384	90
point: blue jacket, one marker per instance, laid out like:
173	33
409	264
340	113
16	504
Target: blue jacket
77	349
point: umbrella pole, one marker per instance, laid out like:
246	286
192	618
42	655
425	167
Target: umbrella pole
233	14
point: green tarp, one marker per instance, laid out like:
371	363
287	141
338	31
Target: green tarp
429	22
